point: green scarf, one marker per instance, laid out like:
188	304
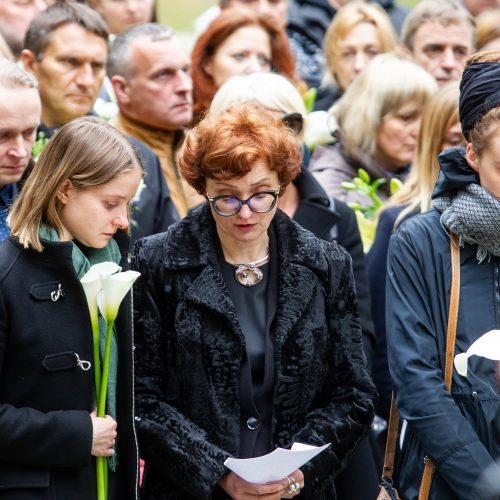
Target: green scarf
81	264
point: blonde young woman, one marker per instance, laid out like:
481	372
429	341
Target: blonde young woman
358	32
440	130
71	213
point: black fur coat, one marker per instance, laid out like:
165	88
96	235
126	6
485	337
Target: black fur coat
189	349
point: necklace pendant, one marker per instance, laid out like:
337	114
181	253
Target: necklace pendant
248	275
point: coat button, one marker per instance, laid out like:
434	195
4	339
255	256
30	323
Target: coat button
253	423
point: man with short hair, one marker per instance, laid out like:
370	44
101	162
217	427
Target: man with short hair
15	17
66	48
439	35
148	67
19	118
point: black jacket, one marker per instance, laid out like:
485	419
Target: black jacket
332	220
190	348
461	432
153	210
45	397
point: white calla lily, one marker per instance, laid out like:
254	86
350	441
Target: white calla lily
91	283
114	289
486	346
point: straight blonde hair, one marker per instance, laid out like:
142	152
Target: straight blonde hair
349	16
439	115
87	152
387	84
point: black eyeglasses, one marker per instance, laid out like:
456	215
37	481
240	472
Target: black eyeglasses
295	121
261	202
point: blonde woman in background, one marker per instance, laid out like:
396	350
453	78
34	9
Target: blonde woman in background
358	32
440	130
378	122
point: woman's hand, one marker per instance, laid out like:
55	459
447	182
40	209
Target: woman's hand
239	489
103	435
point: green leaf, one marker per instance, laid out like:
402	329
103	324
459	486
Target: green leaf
38	145
363	175
355	206
395	185
310	98
377	183
359	183
348	185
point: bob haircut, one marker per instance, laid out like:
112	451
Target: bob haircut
487	28
349	16
439	115
86	151
373	95
226	146
220	29
38	36
271	91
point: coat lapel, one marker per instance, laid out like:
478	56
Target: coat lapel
209	291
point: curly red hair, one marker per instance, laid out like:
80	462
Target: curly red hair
226	146
220	29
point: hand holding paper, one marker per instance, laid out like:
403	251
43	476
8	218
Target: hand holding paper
275	465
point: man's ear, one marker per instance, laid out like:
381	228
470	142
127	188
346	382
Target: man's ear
121	88
471	157
64	192
29	61
404	52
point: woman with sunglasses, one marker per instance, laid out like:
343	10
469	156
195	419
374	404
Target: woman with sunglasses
247	332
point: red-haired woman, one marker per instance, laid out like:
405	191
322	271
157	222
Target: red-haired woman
238	42
247	329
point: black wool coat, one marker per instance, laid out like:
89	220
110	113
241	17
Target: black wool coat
189	351
45	396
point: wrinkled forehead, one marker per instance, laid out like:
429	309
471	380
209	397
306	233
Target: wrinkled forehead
146	53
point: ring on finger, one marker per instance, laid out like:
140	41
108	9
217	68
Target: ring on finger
294	487
291	480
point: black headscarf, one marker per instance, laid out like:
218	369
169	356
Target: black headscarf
479	93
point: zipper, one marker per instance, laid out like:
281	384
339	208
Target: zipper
137	465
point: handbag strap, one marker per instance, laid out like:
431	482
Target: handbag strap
451	335
390	449
392	438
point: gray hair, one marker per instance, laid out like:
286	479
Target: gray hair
119	61
13	76
445	12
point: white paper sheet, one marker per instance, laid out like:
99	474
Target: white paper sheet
275	465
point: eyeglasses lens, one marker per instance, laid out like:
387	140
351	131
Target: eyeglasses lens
259	202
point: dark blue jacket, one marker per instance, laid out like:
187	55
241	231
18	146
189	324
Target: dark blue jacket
461	432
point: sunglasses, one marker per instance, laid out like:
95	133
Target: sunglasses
294	121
